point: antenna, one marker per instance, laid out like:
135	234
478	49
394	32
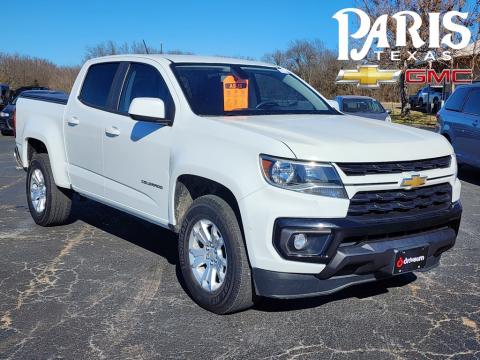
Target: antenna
146	48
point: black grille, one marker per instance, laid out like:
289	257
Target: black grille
389	203
394	167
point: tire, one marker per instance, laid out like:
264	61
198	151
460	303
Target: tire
57	202
235	292
420	103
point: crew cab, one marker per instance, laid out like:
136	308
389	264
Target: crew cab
272	191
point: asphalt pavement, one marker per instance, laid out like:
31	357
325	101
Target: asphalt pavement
107	286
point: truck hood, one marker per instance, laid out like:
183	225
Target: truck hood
375	116
344	138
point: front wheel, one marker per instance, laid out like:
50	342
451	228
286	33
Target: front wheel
213	258
48	204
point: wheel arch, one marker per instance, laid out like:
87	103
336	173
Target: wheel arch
36	142
188	187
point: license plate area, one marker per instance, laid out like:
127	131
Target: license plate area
407	260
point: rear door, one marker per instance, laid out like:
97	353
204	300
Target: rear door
471	135
84	124
137	153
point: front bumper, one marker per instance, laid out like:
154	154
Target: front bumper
363	252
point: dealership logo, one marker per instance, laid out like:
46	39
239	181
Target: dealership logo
409	260
405	22
413	181
422	76
368	76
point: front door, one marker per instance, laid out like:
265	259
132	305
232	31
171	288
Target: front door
137	153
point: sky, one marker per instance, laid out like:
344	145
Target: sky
61	31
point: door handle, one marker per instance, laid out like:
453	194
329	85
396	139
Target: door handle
112	131
73	121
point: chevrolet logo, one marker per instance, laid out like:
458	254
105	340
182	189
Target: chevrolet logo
368	76
413	181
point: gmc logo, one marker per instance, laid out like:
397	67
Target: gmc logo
427	76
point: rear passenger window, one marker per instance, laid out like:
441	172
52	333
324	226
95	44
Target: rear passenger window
145	81
472	106
456	100
97	84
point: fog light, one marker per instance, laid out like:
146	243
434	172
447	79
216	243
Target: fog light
299	241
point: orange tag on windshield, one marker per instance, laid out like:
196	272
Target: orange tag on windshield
235	93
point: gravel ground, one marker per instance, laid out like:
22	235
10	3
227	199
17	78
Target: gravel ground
107	286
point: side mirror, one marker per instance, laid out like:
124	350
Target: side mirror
148	109
334	104
389	112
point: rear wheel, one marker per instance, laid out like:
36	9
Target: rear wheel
213	258
48	204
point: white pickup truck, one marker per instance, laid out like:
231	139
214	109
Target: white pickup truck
272	191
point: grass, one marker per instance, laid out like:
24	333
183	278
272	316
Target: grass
414	118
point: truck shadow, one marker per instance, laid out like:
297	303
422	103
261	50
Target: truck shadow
163	242
150	237
361	291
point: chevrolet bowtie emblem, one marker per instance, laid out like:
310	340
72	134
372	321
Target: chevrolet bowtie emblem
369	76
413	181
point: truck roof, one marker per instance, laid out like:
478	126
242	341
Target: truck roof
174	58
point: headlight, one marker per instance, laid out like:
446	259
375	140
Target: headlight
306	177
4	114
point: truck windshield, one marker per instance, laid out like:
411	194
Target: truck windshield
229	90
363	106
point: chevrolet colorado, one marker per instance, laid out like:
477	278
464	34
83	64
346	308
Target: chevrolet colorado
272	191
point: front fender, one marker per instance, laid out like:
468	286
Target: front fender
224	154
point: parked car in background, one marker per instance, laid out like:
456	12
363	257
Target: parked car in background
7	114
413	99
459	122
429	98
7	118
4	95
363	106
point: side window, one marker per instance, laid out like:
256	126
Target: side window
456	100
98	83
145	81
472	106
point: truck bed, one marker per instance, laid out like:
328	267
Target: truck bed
46	95
39	115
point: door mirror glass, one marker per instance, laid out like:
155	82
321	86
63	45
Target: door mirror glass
147	109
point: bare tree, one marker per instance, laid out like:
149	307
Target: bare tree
310	60
112	48
17	70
